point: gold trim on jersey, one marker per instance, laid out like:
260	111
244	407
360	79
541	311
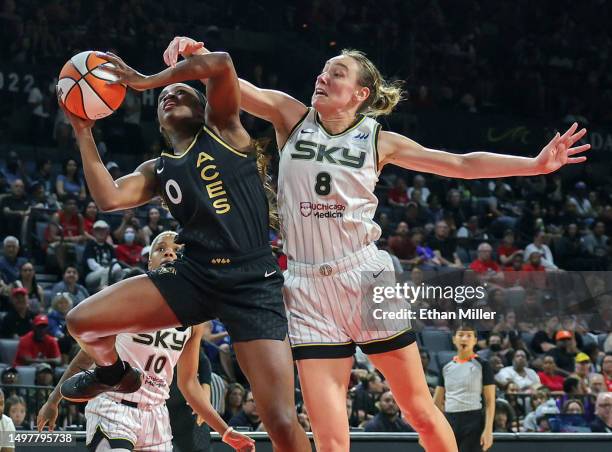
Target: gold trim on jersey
109	438
175	156
223	143
331	135
377	128
318	344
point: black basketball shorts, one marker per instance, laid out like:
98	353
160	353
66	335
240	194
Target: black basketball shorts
244	292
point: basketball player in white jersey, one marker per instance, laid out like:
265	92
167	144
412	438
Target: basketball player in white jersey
331	156
139	420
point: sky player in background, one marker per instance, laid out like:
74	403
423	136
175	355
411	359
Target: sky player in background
140	420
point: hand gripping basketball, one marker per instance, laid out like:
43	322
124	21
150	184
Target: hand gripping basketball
124	73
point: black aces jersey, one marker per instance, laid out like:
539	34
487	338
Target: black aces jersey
215	192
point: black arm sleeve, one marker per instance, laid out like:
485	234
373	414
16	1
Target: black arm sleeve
487	373
441	379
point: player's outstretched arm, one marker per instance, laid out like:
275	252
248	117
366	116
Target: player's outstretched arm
399	150
279	108
196	397
129	191
47	415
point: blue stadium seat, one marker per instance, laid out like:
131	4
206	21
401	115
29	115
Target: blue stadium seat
47	278
40	231
436	341
464	255
49	295
445	357
59	371
433	362
589	338
527	338
27	375
419	340
8	350
601	339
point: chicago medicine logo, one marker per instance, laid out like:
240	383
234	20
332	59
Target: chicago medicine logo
321	210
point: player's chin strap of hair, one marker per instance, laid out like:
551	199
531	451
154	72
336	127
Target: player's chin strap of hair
227	433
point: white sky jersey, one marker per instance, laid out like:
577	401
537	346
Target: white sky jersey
326	186
155	354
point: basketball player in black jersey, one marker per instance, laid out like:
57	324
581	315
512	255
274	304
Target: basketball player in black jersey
211	185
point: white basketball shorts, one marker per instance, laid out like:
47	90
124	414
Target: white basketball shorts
128	427
331	307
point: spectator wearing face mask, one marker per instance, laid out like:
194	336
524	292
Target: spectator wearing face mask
494	345
129	250
129	220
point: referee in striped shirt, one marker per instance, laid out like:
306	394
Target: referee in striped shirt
459	394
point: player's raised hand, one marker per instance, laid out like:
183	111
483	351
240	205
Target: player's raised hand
124	73
183	46
47	415
559	150
238	441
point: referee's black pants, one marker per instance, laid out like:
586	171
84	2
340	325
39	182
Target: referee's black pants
468	427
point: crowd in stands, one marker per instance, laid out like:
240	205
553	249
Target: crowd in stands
508	56
552	363
547	360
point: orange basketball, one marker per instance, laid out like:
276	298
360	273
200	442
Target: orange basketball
82	87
